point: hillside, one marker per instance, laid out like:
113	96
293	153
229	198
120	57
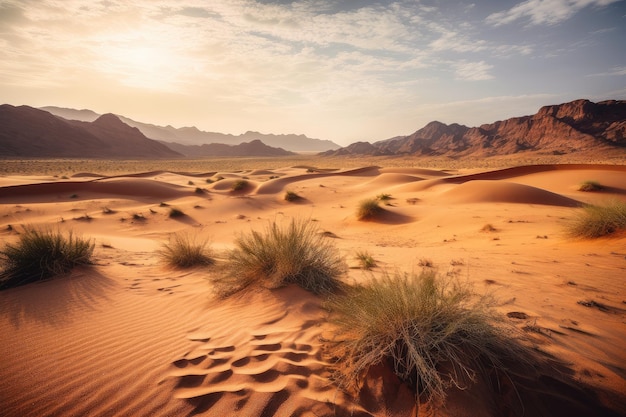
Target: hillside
30	132
195	136
252	148
575	127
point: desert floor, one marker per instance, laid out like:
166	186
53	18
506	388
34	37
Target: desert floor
131	336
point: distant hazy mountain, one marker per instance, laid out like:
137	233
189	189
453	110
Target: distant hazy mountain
578	126
194	136
253	148
30	132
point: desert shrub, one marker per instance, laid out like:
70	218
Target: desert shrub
383	197
41	254
291	196
199	190
597	221
425	263
368	209
239	185
176	212
366	259
190	182
590	186
488	228
435	332
293	253
184	251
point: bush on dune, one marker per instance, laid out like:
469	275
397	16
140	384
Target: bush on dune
293	253
368	209
185	251
434	332
41	254
597	221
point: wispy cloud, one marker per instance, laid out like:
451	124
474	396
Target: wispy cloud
473	71
544	12
613	72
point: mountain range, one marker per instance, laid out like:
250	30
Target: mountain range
574	127
29	132
194	136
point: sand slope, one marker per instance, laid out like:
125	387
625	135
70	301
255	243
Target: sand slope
131	336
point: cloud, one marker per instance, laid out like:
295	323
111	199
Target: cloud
473	71
615	71
548	12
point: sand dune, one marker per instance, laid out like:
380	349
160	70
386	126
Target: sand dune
132	336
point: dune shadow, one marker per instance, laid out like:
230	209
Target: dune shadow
55	302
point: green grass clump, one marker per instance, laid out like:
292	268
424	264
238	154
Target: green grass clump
41	254
291	196
433	332
597	221
293	253
590	186
367	260
185	251
239	185
368	209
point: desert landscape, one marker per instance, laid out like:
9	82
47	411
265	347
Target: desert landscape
132	335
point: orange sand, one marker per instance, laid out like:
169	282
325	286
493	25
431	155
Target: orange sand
132	337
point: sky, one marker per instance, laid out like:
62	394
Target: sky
343	70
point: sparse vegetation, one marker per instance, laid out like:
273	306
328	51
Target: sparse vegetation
176	212
107	210
293	253
368	209
488	228
239	185
189	182
366	259
597	221
383	197
199	190
425	263
291	196
184	251
590	186
434	332
139	217
41	254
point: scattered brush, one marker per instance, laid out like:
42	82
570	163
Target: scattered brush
175	212
185	250
41	254
488	228
107	210
368	209
291	196
199	190
139	217
367	260
383	197
597	221
435	333
164	204
425	263
190	182
590	186
239	185
294	253
209	181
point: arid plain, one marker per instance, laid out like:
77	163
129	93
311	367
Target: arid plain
133	336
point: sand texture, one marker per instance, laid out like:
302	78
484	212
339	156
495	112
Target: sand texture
131	336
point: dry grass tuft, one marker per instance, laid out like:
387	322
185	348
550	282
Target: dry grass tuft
597	221
366	259
292	196
41	254
434	332
184	251
591	186
239	185
368	209
294	253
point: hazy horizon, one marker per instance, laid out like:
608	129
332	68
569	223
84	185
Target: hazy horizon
345	71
